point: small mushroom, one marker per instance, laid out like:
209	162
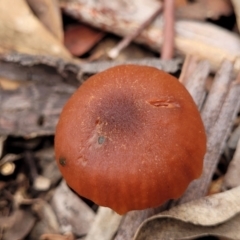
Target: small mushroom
130	138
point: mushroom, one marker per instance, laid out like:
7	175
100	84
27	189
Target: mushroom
130	138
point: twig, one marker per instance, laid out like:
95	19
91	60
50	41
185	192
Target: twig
168	30
114	52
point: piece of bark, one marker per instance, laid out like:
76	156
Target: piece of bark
32	110
49	14
48	69
169	66
25	112
21	31
205	40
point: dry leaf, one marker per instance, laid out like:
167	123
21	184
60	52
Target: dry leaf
217	215
73	214
80	38
21	31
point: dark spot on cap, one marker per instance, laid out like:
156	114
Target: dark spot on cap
62	161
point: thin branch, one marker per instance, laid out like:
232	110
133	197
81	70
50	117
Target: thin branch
114	52
168	30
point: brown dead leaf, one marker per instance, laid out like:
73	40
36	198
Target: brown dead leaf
202	9
217	215
80	38
18	225
21	31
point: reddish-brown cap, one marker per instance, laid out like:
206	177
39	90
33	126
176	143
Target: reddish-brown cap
130	138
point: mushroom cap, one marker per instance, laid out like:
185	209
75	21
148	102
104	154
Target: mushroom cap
130	138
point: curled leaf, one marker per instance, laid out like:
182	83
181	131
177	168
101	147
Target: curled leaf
216	215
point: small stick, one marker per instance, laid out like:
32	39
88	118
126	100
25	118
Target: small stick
168	30
114	52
